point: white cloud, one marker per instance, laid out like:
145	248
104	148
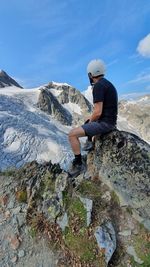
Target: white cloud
131	96
112	62
144	46
141	78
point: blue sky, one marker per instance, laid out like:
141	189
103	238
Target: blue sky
45	40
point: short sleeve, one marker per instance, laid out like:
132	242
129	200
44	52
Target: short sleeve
98	93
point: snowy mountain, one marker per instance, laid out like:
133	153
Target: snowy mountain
133	114
88	94
6	80
34	123
27	133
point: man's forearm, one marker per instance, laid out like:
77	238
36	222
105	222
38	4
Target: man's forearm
94	117
97	111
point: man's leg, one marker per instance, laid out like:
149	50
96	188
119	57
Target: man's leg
74	139
89	138
77	164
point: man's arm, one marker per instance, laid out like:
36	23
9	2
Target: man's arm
97	111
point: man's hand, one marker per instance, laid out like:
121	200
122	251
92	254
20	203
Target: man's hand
87	121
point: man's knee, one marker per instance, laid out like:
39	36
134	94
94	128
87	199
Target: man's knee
71	134
76	132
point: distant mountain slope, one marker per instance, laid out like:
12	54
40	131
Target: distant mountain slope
135	114
6	80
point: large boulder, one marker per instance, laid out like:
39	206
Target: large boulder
123	163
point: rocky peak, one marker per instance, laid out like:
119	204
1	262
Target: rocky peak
2	73
70	94
48	102
71	102
6	80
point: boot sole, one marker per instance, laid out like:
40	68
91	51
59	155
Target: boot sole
77	173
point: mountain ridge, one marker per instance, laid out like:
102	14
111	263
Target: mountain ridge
6	80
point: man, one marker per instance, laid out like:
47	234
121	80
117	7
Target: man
104	116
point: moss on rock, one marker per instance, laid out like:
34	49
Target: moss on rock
90	189
79	238
80	244
21	195
115	198
48	182
141	243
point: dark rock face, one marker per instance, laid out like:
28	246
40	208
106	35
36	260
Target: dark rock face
123	162
6	80
56	95
48	102
70	94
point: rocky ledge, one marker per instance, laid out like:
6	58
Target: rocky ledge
100	219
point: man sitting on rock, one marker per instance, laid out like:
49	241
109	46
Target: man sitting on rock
103	118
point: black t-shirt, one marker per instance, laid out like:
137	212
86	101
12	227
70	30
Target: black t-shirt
104	91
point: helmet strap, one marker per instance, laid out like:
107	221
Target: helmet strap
90	78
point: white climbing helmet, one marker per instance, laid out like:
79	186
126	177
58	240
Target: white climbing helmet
96	68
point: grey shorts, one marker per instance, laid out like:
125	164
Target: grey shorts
96	128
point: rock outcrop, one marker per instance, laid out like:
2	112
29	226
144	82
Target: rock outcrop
6	80
123	162
48	103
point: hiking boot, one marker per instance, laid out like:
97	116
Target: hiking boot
88	146
75	169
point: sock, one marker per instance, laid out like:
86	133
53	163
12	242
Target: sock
90	138
78	159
